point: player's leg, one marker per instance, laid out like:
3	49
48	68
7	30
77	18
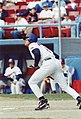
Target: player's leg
33	83
45	70
18	88
71	91
60	79
53	86
13	91
43	87
15	34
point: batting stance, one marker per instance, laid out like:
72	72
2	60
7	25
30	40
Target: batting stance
46	65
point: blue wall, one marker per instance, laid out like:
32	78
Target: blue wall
76	63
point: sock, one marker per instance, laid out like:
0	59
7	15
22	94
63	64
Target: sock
78	98
41	98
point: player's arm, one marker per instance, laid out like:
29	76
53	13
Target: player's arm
18	76
18	73
37	56
7	75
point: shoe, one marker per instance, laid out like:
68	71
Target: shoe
43	104
53	92
79	102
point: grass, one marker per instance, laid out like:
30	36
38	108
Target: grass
32	97
64	96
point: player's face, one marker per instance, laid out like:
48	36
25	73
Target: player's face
11	65
62	65
26	42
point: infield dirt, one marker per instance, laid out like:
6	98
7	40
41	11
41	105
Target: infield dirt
22	108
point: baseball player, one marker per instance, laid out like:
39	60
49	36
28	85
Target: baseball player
46	65
68	72
13	73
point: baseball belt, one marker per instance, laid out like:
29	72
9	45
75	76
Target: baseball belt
47	59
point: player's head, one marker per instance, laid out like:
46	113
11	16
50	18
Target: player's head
30	38
62	61
11	62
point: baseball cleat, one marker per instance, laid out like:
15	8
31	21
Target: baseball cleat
43	104
79	102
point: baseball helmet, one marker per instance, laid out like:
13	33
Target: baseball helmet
31	37
62	61
11	61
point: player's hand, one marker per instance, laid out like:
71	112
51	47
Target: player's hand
15	81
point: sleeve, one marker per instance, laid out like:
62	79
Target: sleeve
18	76
17	71
37	56
6	73
6	76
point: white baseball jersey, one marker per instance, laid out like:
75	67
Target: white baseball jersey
12	72
44	51
65	70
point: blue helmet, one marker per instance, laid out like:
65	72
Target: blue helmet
62	61
31	37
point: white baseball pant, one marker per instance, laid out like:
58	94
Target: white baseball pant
51	67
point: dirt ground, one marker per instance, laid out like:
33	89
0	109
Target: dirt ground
22	108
